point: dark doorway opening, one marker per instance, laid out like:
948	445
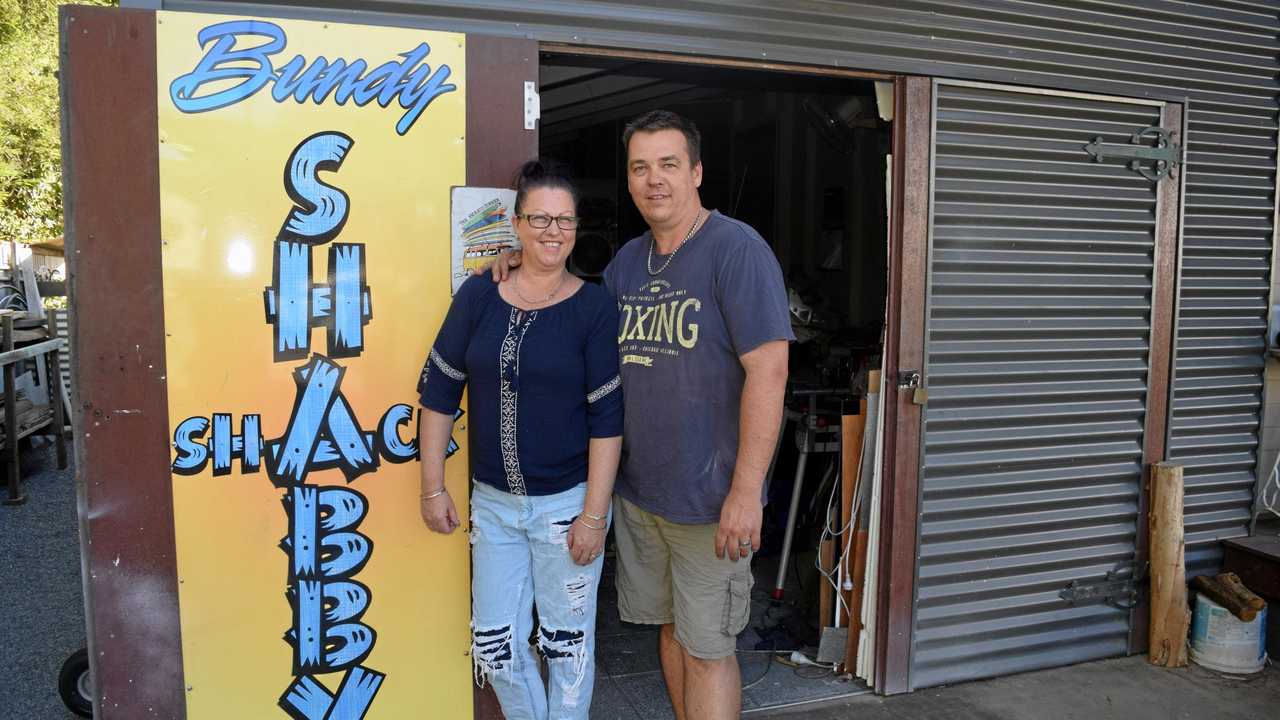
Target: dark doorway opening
804	160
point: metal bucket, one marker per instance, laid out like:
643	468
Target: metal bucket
1220	641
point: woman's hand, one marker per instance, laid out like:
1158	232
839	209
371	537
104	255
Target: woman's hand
585	543
439	513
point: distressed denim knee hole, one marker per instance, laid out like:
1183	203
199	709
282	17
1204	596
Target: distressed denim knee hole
566	646
490	652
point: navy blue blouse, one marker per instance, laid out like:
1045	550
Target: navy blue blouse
543	382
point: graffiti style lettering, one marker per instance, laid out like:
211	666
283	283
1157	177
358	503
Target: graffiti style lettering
324	543
307	699
230	57
294	304
325	550
320	209
194	454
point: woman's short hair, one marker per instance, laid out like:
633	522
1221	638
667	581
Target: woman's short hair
656	120
542	173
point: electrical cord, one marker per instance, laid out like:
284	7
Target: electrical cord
768	664
1269	493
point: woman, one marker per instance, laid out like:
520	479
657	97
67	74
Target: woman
540	353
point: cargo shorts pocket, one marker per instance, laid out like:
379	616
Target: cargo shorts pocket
737	606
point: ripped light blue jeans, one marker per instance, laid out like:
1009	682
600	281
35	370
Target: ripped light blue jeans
519	555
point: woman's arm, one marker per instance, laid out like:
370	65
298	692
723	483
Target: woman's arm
586	535
438	510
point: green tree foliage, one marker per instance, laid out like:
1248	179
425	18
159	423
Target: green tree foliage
30	160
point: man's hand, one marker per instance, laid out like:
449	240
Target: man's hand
740	519
501	266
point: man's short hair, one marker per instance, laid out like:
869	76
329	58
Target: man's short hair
656	120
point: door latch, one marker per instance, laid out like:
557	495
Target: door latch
911	380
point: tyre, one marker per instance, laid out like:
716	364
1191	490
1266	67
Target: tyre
75	686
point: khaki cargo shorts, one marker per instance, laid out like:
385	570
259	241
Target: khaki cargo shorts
669	573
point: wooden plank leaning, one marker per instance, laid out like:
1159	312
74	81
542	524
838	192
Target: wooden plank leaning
1170	616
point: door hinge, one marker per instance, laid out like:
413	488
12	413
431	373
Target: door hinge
1153	162
1114	590
532	105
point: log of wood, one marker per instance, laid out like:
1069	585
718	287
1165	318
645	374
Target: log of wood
1227	590
1212	589
1170	616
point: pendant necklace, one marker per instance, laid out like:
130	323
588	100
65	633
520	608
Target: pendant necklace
516	286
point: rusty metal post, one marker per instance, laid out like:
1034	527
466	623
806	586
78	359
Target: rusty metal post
53	375
16	496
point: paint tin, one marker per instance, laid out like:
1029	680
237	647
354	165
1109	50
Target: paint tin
1220	641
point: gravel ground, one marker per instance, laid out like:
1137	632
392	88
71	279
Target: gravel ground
40	593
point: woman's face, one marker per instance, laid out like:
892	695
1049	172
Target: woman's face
547	248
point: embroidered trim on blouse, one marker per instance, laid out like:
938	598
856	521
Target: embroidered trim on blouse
446	368
509	356
604	390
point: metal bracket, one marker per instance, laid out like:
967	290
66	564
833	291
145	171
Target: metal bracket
1151	162
1116	591
532	105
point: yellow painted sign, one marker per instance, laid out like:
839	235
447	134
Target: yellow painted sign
305	170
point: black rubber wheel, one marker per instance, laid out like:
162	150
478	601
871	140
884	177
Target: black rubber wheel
74	684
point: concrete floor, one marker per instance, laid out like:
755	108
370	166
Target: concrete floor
43	622
1119	689
41	603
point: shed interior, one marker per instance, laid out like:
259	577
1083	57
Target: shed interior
804	160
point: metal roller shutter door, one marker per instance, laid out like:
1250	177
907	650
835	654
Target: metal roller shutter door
1038	338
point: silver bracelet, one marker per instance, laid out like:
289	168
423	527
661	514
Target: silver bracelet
436	494
589	525
598	518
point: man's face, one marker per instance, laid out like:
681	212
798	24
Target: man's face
663	183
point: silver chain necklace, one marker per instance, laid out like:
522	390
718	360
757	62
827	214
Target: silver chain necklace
653	241
516	286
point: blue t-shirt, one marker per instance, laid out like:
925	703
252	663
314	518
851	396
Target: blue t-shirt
679	341
543	382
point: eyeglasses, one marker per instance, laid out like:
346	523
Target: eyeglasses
541	222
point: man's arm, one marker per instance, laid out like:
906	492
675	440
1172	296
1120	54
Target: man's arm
501	266
759	422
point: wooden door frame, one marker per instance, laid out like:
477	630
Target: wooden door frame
120	407
1165	290
497	142
904	350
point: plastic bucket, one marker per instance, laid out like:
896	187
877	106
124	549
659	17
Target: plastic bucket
1220	641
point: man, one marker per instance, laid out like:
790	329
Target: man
703	345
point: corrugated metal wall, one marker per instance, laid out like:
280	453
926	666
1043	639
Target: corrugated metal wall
1037	349
1221	55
